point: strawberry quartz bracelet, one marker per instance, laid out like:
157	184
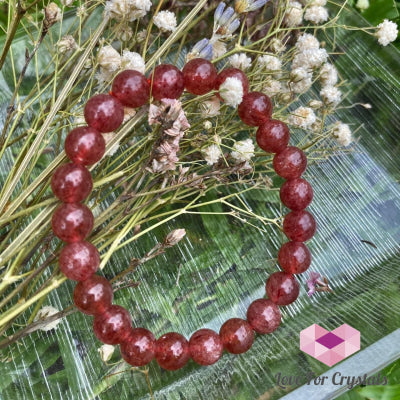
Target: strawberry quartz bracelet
73	221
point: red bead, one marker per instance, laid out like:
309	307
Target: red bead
273	136
294	257
167	82
85	145
205	347
131	88
104	113
296	194
199	76
172	351
232	73
237	335
79	261
72	222
71	183
263	316
299	226
290	163
113	325
139	347
255	109
282	288
94	295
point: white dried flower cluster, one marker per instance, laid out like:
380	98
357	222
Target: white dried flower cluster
240	61
362	4
316	14
315	104
106	351
212	154
307	41
210	107
272	87
331	95
66	44
243	150
277	46
300	80
218	48
129	10
294	14
45	312
387	32
231	90
342	133
320	3
165	21
302	117
310	58
132	60
67	3
328	75
207	125
270	63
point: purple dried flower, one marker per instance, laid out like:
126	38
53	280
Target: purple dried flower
317	283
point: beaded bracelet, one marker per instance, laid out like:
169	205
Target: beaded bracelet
73	221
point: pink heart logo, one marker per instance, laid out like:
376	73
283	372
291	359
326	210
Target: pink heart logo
330	347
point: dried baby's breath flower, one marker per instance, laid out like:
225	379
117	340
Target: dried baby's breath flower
165	21
66	44
316	3
67	3
52	14
315	104
310	58
272	87
81	12
109	58
132	60
362	4
141	35
277	46
270	63
231	90
328	75
331	95
294	14
301	80
212	154
387	32
302	117
218	49
106	351
207	125
316	14
210	107
45	312
129	10
307	41
240	61
342	133
243	150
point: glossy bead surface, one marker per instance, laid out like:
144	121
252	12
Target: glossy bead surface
255	109
296	194
94	295
263	316
199	76
273	136
167	82
294	257
71	183
237	335
104	113
113	325
290	163
138	348
232	73
79	261
299	226
205	347
85	145
172	351
131	88
282	288
72	222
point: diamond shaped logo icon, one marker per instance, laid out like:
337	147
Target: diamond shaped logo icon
330	347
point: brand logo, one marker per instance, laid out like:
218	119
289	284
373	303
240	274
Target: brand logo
330	347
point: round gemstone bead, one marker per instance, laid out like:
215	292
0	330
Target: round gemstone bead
296	194
232	73
131	88
72	222
85	145
282	288
263	316
255	109
79	261
94	295
104	113
237	335
294	257
138	348
205	347
299	226
113	325
290	163
172	351
167	82
71	183
199	76
273	136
